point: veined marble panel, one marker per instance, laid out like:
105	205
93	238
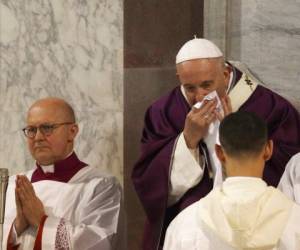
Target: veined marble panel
215	22
266	36
71	49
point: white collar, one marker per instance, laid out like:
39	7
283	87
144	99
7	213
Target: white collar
50	168
243	186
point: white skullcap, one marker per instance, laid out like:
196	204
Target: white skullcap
198	48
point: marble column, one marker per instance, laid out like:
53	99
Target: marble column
70	49
215	25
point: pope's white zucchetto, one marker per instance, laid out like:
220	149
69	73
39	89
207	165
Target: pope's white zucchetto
198	48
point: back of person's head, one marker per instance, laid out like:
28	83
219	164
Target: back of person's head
243	134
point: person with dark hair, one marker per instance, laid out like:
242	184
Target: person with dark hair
243	134
243	213
178	163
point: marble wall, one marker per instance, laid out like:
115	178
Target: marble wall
263	34
71	49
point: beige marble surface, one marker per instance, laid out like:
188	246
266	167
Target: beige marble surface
70	49
266	36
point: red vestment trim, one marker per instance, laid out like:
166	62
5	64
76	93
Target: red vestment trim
39	236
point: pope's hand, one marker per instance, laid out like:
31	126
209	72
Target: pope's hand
197	122
227	108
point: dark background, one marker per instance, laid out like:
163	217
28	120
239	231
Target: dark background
154	31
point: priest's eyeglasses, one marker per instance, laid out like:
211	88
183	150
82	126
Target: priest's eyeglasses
46	129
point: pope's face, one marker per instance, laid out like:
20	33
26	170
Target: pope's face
201	76
48	149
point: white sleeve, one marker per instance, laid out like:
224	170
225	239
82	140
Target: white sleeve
186	171
15	239
290	181
185	231
172	241
218	180
99	222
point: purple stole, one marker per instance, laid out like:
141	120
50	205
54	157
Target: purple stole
164	121
64	170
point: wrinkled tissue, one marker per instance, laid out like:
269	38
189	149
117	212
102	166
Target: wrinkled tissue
210	97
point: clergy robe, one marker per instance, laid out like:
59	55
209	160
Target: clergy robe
164	122
290	181
81	202
244	213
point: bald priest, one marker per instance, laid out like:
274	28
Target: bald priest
178	164
63	203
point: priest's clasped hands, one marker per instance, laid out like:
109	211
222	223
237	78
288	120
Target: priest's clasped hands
30	209
198	120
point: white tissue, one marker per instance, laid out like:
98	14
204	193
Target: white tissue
210	97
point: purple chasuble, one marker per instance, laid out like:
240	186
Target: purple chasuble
164	121
283	123
64	170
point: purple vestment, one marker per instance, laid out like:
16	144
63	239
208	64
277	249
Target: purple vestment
164	121
64	170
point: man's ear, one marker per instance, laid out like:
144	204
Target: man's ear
220	153
268	150
177	76
226	73
73	131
